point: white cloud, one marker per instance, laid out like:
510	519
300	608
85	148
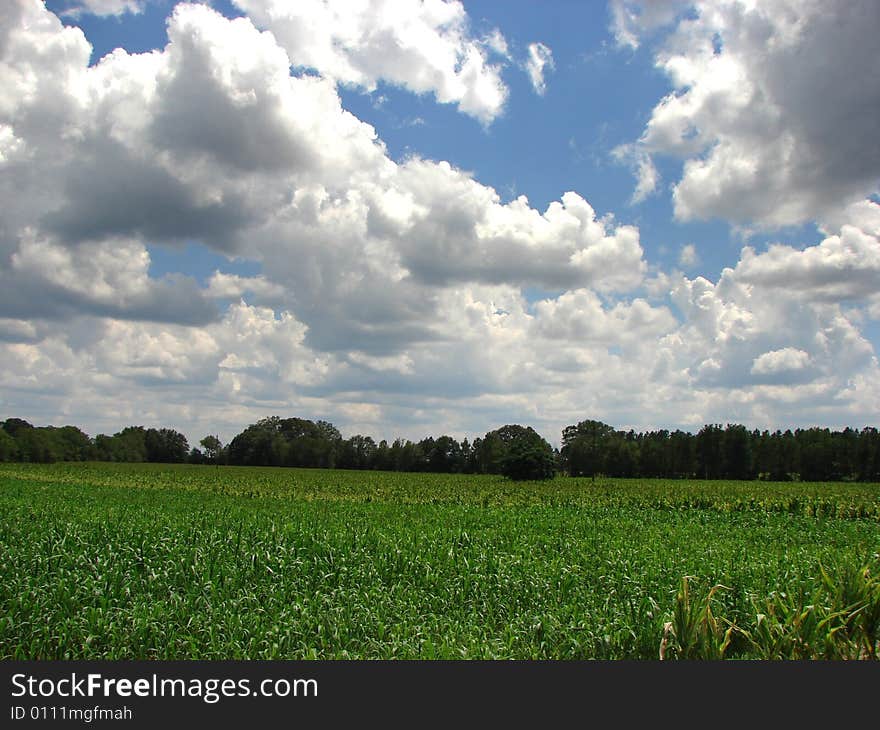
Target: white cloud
150	354
108	278
688	256
457	230
579	316
777	317
773	124
386	295
540	58
864	215
425	47
787	359
842	267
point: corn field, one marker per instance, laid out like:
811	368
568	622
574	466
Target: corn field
134	561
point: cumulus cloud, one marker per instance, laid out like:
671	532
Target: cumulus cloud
457	230
389	295
213	140
864	215
497	43
787	359
17	330
784	316
110	278
842	267
425	47
231	372
579	316
772	122
540	58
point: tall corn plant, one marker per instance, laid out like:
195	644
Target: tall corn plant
695	632
854	621
787	626
839	620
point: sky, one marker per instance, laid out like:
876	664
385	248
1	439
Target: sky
416	218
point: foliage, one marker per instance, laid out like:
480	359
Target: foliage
43	445
717	452
694	632
165	445
213	448
528	456
286	442
837	617
8	447
590	448
13	426
584	447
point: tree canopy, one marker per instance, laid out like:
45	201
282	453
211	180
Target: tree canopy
588	448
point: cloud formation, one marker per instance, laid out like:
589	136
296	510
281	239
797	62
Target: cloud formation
772	105
783	316
393	297
788	359
425	47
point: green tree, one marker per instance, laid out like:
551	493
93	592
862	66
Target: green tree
492	450
254	445
528	456
816	453
130	444
75	445
682	458
358	452
584	446
738	456
165	445
445	456
621	456
384	460
868	455
212	447
710	451
13	425
8	447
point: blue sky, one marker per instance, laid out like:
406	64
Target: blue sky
317	211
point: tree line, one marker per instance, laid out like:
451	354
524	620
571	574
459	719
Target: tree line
589	448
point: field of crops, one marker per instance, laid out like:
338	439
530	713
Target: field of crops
154	561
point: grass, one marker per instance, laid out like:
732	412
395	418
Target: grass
146	561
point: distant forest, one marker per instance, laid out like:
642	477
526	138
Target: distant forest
589	448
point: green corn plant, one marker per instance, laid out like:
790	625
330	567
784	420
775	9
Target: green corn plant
853	623
787	627
839	620
869	615
695	632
